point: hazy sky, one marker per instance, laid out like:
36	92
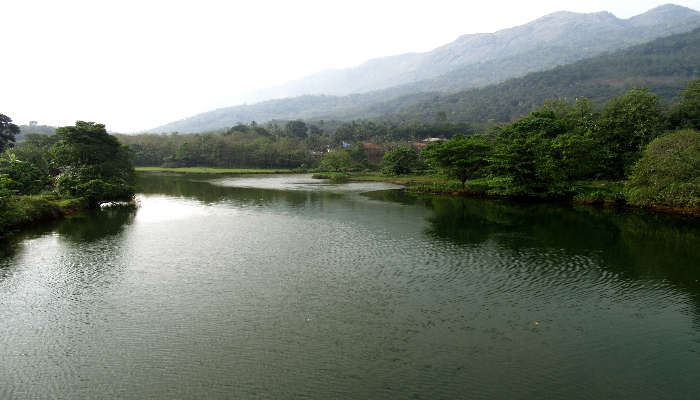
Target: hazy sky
134	65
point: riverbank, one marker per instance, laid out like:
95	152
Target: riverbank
595	193
204	170
21	211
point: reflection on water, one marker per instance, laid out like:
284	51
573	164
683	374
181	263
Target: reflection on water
286	287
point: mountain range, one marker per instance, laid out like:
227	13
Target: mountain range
392	84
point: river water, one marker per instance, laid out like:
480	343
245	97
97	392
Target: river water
270	287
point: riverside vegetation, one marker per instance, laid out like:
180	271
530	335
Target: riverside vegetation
45	177
633	149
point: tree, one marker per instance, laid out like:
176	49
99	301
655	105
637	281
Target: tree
401	160
335	161
629	123
686	114
668	173
523	155
8	131
296	128
93	164
460	157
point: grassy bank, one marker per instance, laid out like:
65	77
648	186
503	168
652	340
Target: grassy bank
203	170
600	192
19	211
332	176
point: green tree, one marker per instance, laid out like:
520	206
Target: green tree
296	128
668	173
336	161
93	164
401	160
686	114
578	156
629	123
8	131
523	155
461	157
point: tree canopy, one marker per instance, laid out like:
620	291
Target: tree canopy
8	131
460	157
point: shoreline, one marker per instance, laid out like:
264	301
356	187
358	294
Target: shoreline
207	170
25	211
419	184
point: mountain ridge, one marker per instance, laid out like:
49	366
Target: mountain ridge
496	69
599	27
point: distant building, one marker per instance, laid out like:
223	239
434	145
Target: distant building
33	123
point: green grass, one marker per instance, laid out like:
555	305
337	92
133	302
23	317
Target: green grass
204	170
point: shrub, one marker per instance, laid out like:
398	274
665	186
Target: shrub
668	172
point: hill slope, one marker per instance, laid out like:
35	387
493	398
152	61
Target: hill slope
556	39
664	65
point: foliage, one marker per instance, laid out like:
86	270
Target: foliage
296	128
27	178
542	154
686	114
336	161
668	172
35	149
93	164
399	161
461	157
627	124
254	148
8	130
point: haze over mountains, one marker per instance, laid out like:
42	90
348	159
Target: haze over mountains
472	61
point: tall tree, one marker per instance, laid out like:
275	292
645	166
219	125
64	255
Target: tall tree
8	131
460	157
93	164
629	123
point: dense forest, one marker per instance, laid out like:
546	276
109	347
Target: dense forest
293	144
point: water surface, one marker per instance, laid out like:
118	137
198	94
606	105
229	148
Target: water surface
287	287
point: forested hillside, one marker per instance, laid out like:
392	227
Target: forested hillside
555	39
664	65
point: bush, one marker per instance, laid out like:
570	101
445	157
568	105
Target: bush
668	172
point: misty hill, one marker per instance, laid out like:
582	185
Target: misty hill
480	59
34	129
664	65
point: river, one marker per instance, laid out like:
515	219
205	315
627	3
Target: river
270	287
